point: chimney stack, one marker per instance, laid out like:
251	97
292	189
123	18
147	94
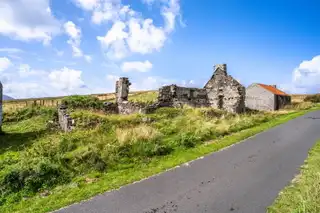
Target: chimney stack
275	86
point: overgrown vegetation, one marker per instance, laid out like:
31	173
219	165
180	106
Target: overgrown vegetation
313	98
35	158
303	195
82	101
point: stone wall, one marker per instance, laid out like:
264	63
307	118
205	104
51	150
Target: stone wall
66	123
174	95
224	92
122	89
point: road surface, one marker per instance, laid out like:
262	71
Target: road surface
245	178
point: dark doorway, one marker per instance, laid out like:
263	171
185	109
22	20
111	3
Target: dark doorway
220	102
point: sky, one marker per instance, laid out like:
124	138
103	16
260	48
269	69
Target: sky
64	47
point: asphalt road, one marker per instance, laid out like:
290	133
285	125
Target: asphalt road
245	178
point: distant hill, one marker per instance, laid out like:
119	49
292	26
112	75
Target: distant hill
5	97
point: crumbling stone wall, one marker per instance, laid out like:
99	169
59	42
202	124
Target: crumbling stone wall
122	89
224	92
221	91
174	95
1	113
66	123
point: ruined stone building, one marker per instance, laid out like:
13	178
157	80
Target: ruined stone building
221	92
224	92
266	97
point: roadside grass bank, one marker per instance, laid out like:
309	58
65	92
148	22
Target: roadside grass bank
303	194
124	151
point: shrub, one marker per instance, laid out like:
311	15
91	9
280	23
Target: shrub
29	112
42	175
82	101
299	106
313	98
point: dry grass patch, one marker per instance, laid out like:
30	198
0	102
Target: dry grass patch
135	134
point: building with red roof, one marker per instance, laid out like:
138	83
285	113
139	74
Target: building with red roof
266	97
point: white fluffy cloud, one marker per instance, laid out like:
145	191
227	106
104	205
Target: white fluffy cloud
27	82
74	33
305	78
5	63
87	4
136	66
130	32
114	41
19	20
66	79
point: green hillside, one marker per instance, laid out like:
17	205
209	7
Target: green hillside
43	168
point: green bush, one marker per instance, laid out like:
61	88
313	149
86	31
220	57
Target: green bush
42	175
83	102
313	98
29	112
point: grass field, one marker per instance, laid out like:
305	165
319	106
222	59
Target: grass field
303	195
42	168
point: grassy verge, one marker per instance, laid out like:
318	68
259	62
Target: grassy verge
74	191
303	195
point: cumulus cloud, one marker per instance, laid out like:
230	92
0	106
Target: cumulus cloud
130	32
114	41
74	33
305	78
138	66
27	82
5	63
25	70
66	79
19	20
87	4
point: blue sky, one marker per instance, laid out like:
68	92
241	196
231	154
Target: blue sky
82	46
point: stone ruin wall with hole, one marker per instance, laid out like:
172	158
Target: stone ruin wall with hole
221	92
175	96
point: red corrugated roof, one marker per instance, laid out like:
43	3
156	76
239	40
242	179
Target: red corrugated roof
273	89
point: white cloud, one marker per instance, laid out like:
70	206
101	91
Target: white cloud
144	36
5	63
88	58
26	90
112	78
87	4
305	78
136	66
75	38
59	53
25	71
11	50
74	33
66	79
19	20
114	41
130	32
150	83
42	83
